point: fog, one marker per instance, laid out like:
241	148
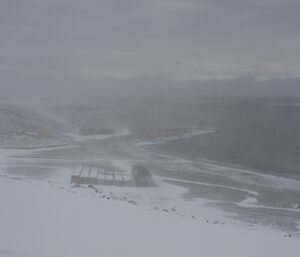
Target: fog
59	42
73	49
179	118
141	87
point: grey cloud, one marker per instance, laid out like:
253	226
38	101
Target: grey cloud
94	39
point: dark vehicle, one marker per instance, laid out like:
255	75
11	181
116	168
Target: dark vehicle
141	176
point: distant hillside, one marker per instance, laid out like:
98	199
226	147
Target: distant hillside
23	127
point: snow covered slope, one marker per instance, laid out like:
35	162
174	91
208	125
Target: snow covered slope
24	127
37	219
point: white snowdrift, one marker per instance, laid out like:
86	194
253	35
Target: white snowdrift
39	220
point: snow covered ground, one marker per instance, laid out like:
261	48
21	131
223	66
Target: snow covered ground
196	132
197	208
50	217
39	219
82	138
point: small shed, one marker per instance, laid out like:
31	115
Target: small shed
141	176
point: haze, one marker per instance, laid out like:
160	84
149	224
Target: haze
49	45
149	128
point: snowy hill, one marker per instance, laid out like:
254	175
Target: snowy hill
41	220
24	127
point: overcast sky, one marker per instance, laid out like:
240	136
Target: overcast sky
42	40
